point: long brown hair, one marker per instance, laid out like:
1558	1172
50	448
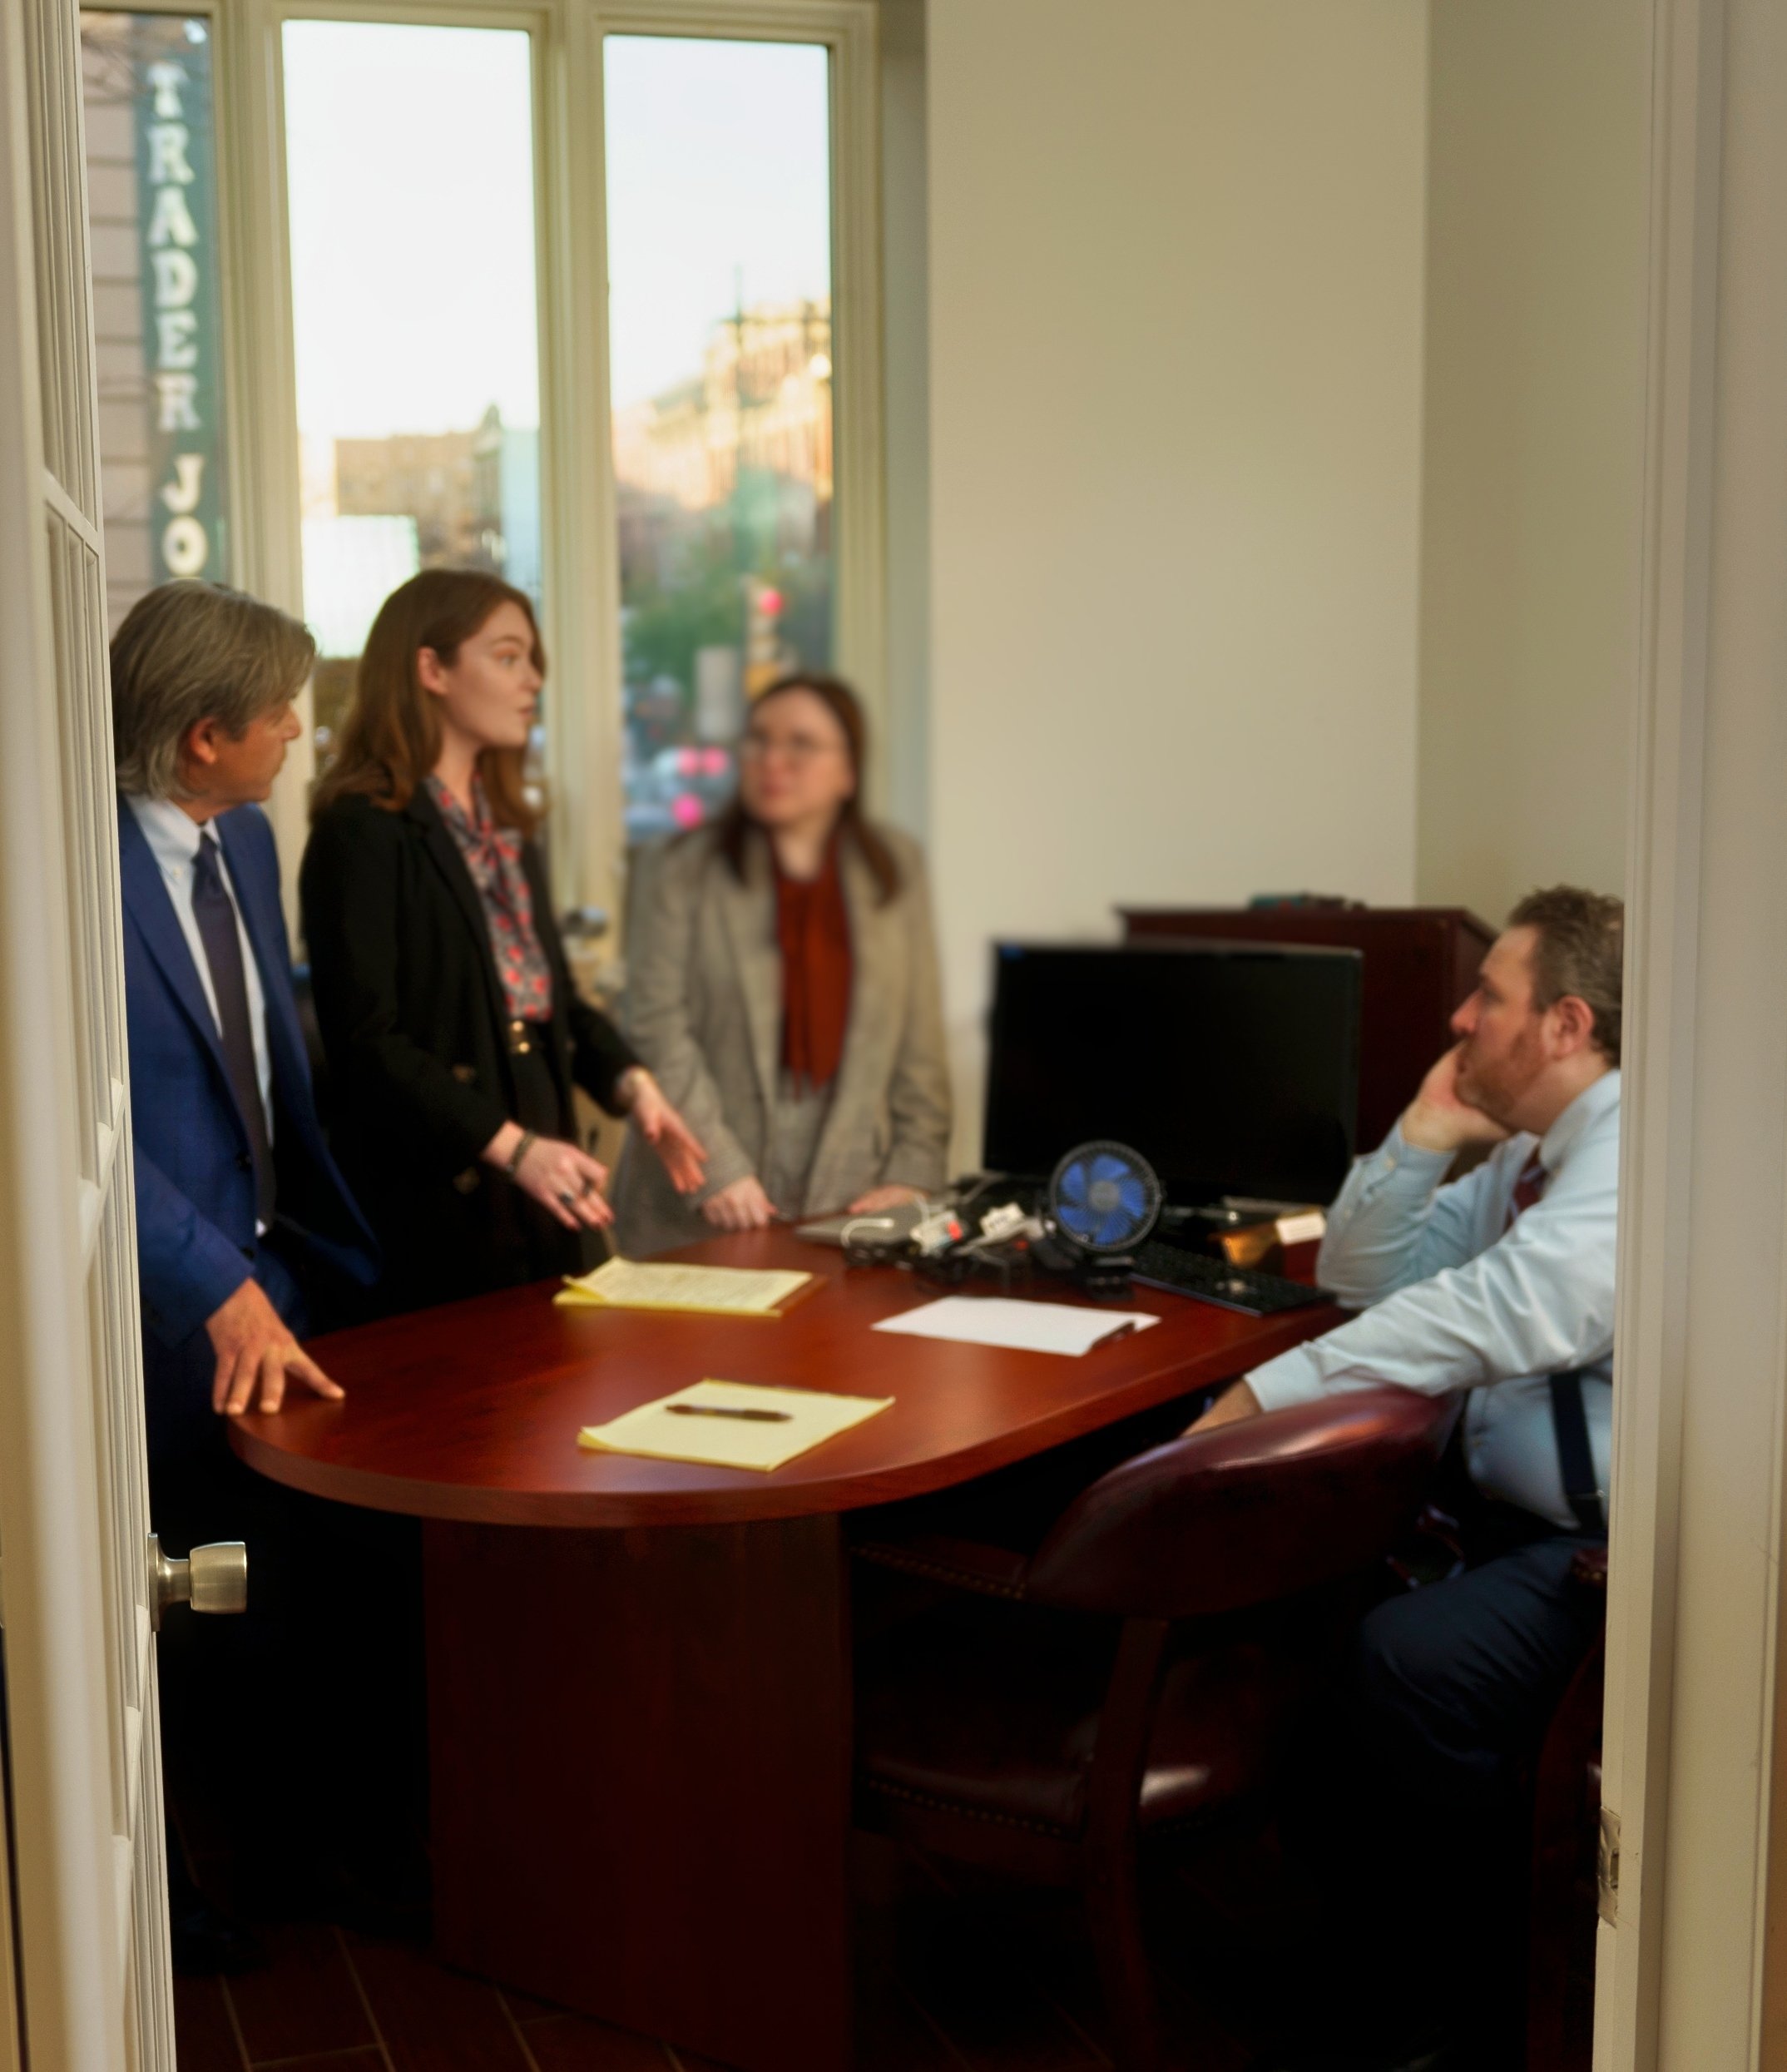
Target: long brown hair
734	827
391	738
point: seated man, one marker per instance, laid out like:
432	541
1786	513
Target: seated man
246	1235
1498	1287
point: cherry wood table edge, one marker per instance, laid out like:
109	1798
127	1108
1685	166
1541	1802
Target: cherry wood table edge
415	1435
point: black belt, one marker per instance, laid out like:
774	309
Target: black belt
1575	1457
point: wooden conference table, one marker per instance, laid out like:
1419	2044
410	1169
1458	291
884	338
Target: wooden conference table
638	1671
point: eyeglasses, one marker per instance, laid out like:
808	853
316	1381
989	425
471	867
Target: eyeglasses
797	748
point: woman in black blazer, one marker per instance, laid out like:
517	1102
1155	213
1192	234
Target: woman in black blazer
452	1030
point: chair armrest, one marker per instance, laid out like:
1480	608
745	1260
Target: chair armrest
1247	1513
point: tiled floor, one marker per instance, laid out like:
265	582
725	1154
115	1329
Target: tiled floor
966	1984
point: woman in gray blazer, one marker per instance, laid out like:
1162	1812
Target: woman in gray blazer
782	988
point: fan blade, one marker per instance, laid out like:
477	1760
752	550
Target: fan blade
1106	1168
1073	1183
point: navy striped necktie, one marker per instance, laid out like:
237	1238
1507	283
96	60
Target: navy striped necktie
214	911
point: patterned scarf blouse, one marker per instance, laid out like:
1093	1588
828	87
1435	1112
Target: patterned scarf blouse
493	856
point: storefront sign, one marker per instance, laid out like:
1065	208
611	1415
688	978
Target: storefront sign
177	211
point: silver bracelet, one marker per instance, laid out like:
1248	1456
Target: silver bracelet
529	1138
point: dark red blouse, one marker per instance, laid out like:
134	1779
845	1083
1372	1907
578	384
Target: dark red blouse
813	927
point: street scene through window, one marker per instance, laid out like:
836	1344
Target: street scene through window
719	197
409	172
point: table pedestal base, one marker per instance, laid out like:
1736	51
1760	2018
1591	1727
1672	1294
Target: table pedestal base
640	1745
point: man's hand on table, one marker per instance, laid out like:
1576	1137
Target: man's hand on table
254	1347
1438	1119
1236	1402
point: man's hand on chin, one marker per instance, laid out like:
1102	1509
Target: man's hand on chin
1439	1118
1230	1408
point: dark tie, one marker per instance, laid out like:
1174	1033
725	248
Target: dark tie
215	912
1527	1188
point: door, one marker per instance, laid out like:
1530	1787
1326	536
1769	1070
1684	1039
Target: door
89	1876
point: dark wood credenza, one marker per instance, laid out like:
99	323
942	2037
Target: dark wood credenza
1420	963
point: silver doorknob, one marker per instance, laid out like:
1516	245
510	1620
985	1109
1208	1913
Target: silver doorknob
211	1579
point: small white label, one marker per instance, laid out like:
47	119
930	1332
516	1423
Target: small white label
1302	1230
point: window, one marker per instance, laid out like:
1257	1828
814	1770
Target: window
410	174
721	354
151	159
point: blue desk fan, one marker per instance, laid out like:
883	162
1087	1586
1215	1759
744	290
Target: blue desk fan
1103	1200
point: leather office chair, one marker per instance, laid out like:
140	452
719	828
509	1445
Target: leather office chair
1126	1678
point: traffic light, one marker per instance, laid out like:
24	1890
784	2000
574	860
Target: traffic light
763	634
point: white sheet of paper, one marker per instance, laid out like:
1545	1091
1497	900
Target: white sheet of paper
803	1418
995	1320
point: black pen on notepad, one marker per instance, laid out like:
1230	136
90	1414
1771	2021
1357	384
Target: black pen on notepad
723	1410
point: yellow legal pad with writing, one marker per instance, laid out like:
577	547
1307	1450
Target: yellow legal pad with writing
692	1290
731	1424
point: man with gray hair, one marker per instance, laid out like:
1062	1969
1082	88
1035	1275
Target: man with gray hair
245	1230
238	1200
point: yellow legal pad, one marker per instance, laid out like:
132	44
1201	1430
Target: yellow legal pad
792	1422
626	1283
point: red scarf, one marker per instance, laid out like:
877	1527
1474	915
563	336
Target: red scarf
813	928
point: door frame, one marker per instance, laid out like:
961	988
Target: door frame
1693	1977
76	1870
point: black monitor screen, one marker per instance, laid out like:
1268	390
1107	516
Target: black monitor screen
1232	1067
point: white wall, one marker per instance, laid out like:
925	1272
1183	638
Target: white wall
1537	214
1176	253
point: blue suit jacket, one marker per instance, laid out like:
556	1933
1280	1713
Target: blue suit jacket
196	1238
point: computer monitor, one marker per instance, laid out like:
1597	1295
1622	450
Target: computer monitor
1233	1067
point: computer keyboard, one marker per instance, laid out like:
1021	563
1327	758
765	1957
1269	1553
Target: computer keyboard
1208	1280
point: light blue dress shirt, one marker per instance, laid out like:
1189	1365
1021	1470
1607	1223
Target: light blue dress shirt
1455	1299
173	837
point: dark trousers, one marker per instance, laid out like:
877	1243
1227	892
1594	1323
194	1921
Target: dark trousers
297	1728
1445	1701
